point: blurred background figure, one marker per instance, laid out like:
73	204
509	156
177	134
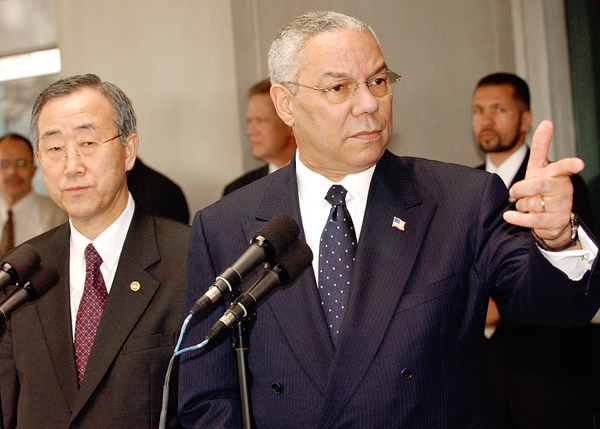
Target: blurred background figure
156	193
23	213
272	140
537	376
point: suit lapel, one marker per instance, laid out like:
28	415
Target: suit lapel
522	170
309	340
384	260
124	306
54	313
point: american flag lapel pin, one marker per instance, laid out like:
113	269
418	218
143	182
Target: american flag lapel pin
398	223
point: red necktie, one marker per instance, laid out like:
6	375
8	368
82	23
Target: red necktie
8	235
90	309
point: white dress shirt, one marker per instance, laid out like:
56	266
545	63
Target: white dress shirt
108	244
33	215
314	209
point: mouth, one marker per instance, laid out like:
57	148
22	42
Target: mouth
488	134
367	135
75	189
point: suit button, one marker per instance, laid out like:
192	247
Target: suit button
276	388
406	374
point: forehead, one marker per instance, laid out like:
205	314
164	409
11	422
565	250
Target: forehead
84	109
12	146
503	93
342	53
260	103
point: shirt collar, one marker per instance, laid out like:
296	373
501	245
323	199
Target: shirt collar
110	242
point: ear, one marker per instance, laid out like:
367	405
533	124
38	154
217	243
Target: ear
282	101
526	118
131	147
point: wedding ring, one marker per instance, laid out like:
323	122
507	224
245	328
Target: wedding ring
543	204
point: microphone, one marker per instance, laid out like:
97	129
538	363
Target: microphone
18	263
290	264
39	283
267	242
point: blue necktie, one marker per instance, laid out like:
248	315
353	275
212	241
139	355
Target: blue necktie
336	260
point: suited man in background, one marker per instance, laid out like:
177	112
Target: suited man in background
23	212
271	139
93	351
521	360
392	336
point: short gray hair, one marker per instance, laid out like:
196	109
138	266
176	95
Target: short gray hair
123	114
286	57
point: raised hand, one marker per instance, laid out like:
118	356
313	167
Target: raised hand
545	197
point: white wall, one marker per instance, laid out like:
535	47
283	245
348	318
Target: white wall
175	61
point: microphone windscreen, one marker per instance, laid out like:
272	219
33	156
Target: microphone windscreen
294	259
23	259
280	231
42	279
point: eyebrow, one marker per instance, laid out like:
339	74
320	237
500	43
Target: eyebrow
344	75
84	126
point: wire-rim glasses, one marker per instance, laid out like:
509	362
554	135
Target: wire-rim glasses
86	150
339	91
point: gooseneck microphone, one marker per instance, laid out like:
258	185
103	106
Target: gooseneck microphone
40	281
266	244
289	265
18	264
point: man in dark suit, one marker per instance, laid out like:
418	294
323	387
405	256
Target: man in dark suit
93	351
521	360
156	193
271	139
402	347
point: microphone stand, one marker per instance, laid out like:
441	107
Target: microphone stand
241	343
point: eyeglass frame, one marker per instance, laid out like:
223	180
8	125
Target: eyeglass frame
326	90
65	149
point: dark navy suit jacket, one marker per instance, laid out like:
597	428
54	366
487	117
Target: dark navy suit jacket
410	348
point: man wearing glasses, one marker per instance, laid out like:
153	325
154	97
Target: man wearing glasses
392	337
94	350
23	212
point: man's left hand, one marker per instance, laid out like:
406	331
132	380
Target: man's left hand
545	197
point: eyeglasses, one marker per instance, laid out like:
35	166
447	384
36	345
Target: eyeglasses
86	150
19	163
343	90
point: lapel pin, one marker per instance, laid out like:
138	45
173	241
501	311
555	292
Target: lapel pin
398	223
135	286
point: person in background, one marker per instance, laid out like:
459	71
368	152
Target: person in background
271	139
156	193
23	212
94	350
521	361
386	328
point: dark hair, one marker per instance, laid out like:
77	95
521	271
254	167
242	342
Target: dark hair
123	114
16	136
519	85
262	87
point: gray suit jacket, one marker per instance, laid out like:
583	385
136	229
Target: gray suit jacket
134	342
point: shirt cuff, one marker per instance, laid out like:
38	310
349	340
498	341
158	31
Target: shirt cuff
574	263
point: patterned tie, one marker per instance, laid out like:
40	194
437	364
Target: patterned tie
90	309
8	235
336	259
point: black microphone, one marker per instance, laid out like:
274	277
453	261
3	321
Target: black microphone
289	265
39	283
18	264
267	242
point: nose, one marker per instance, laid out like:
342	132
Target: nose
364	101
73	163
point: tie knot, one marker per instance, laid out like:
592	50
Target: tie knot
336	196
9	214
92	258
